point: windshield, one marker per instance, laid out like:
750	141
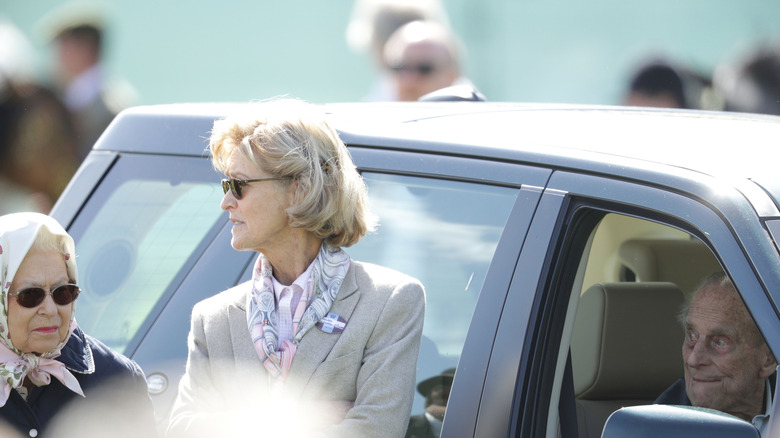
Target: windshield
138	233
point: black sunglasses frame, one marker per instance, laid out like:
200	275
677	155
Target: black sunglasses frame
32	297
236	186
423	69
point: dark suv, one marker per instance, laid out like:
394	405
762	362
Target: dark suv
556	244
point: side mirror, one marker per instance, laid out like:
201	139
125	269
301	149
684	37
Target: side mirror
653	421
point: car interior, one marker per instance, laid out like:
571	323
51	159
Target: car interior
625	336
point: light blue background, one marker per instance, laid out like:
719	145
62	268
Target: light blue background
518	50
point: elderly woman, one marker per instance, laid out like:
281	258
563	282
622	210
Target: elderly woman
315	344
55	379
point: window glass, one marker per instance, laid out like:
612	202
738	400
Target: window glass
142	229
443	233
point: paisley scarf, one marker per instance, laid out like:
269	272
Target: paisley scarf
17	234
330	268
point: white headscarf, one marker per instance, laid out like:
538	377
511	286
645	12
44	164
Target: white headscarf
17	234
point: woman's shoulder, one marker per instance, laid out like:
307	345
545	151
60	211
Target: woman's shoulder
381	276
106	359
235	296
95	361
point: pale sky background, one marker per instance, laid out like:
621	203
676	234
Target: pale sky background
517	50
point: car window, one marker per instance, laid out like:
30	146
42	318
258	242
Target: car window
443	233
142	229
628	280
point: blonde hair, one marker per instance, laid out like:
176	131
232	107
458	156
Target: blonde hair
291	138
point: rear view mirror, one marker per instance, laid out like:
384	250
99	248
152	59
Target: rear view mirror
654	421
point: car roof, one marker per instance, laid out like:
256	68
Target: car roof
737	147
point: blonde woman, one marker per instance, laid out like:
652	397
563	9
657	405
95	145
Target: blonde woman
315	344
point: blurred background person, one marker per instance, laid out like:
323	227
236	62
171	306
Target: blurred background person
37	139
663	84
77	33
371	24
752	83
37	148
422	57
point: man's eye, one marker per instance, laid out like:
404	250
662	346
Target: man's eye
720	342
690	335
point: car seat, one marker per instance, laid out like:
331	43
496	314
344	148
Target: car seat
684	262
625	348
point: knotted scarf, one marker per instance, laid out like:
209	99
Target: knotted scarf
330	268
17	234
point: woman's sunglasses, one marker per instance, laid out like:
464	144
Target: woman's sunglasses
236	186
34	296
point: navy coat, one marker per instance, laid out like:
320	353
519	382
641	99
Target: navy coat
116	401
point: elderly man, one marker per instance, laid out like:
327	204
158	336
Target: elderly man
422	57
727	362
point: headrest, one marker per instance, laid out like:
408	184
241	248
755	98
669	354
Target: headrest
683	262
627	343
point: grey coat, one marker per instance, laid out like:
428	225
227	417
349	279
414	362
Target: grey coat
358	383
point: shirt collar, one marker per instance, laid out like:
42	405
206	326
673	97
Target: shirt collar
301	281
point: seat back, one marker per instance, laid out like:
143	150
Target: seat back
625	348
684	262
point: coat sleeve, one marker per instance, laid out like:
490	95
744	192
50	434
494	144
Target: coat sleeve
386	380
196	411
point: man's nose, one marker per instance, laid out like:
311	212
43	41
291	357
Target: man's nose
697	354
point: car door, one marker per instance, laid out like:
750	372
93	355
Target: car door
546	376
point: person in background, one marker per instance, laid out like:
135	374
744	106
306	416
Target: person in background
752	83
37	147
77	33
727	363
315	344
662	84
55	380
436	391
422	57
371	24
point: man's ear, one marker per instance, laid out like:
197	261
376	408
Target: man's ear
769	366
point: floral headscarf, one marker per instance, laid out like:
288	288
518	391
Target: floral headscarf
17	234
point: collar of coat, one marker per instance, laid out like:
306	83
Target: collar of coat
77	354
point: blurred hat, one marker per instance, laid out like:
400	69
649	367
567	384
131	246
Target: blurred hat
70	16
444	379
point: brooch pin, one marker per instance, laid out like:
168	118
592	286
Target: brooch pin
332	323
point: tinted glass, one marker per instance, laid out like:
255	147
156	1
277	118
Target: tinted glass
139	233
444	233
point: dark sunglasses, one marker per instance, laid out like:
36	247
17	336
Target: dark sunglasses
236	186
34	296
423	69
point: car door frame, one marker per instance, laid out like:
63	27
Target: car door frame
517	396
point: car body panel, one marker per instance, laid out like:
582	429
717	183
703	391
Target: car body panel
556	160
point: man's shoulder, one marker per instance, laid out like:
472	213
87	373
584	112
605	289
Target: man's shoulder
674	395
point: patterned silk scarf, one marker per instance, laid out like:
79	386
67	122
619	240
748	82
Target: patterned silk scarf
330	268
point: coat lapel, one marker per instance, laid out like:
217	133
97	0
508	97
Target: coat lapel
243	350
316	344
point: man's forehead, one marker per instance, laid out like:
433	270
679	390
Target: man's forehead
720	310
